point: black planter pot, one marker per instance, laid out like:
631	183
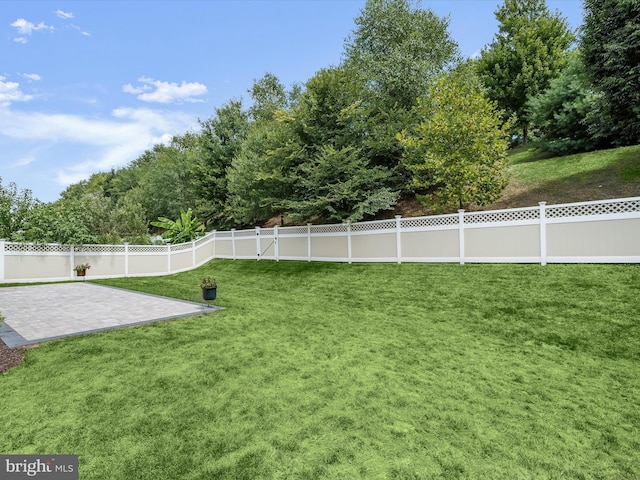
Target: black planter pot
209	293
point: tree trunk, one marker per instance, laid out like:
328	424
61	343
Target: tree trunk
525	133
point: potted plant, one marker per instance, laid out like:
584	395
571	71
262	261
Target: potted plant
209	286
81	269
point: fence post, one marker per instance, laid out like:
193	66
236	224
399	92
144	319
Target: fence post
349	242
126	259
398	239
543	234
72	260
168	258
233	242
276	248
193	253
2	246
461	234
258	246
308	242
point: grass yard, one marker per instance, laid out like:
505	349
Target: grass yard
332	371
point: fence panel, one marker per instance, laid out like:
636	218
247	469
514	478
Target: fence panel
599	231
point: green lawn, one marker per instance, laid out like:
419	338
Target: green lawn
319	370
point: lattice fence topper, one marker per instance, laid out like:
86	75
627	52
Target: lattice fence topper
35	247
147	249
98	249
371	226
180	247
244	233
595	208
292	231
421	222
202	240
514	215
267	232
336	228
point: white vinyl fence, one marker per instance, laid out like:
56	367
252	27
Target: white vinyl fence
606	231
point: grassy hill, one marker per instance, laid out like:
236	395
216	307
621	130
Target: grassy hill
535	176
602	174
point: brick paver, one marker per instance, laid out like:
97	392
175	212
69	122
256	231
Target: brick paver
35	313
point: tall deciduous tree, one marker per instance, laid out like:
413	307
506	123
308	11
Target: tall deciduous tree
611	48
335	180
457	152
527	52
220	141
397	48
393	54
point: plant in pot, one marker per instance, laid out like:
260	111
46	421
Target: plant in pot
81	269
209	286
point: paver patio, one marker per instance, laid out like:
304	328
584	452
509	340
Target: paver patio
36	313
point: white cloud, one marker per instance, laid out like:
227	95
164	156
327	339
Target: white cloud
108	143
10	92
83	32
27	28
64	15
128	88
166	92
24	161
32	76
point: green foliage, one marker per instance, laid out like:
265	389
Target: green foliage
339	185
396	50
164	184
269	96
393	54
208	282
260	176
15	208
457	152
526	54
565	110
610	45
220	141
184	229
65	222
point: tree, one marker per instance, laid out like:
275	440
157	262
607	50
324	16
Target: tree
164	182
259	177
334	179
458	150
15	207
396	50
610	45
220	140
393	54
269	95
527	52
564	111
339	184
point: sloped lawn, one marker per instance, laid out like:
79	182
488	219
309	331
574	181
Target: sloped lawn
350	371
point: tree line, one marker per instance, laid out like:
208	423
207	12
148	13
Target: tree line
401	116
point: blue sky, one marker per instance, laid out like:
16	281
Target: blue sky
89	86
